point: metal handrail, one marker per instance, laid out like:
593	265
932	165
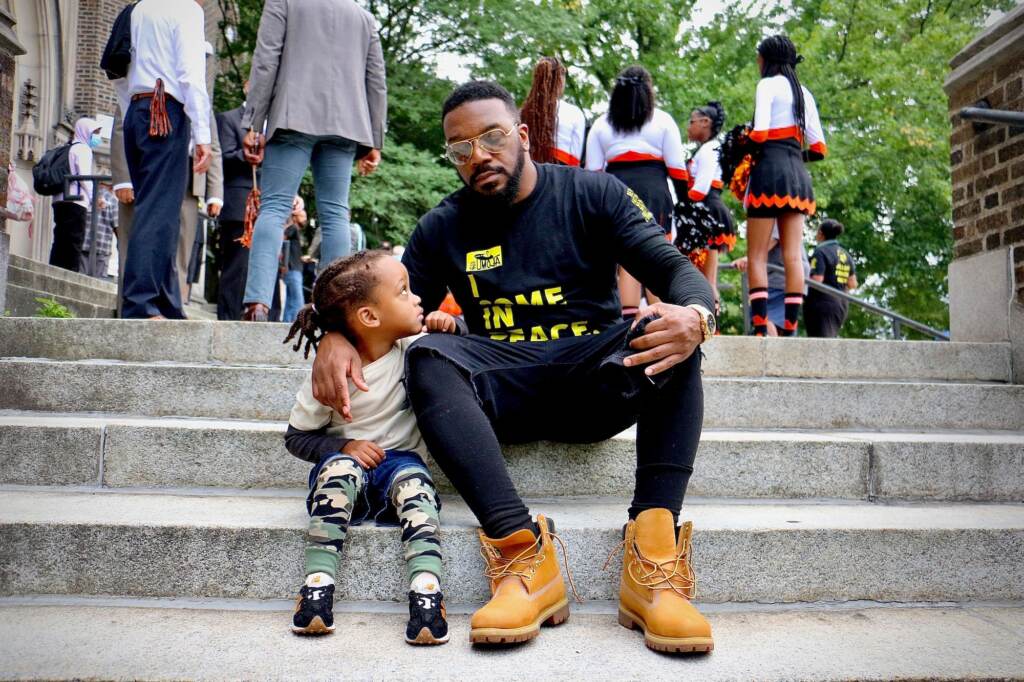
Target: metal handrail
998	116
898	321
94	216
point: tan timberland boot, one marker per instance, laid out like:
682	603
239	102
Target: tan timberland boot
526	584
658	584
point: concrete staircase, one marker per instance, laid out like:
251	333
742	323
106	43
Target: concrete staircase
84	296
857	508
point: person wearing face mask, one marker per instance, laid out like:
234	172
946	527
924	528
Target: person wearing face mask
69	217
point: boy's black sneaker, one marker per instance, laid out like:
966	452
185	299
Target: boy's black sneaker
428	622
314	611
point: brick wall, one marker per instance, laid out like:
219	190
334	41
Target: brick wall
987	161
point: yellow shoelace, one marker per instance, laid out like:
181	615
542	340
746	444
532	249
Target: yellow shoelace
665	575
530	558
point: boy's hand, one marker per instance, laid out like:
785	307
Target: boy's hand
368	454
439	322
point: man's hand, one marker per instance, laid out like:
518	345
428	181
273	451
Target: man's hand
439	322
337	360
213	209
253	147
202	158
369	163
367	453
126	195
668	340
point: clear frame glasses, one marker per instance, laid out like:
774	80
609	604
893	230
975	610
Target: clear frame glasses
492	141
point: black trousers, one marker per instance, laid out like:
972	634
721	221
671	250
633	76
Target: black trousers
68	235
159	173
823	315
470	393
234	268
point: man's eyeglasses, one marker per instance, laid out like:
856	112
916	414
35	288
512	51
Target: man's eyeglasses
493	141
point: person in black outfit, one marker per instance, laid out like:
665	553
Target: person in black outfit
530	253
831	264
234	258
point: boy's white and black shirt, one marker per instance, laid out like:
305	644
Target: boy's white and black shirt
381	415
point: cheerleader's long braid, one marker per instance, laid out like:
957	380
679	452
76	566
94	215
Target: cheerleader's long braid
343	286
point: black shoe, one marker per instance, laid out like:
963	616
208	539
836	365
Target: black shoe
427	619
314	611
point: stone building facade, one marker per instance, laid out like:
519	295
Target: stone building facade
57	81
986	276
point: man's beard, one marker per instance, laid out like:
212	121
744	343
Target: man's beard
507	195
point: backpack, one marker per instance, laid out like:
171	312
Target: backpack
48	175
117	55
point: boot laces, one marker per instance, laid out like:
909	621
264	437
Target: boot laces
675	574
524	564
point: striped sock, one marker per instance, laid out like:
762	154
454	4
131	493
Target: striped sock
793	303
759	310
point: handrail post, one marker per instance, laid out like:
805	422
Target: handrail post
897	330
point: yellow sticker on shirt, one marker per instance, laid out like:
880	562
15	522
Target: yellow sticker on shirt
488	259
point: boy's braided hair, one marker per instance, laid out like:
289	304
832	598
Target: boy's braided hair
343	286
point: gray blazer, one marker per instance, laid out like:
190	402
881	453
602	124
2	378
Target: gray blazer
318	69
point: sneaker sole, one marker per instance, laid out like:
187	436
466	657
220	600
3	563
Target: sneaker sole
671	645
315	628
553	615
425	638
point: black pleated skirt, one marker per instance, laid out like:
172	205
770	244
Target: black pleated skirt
779	182
723	237
649	179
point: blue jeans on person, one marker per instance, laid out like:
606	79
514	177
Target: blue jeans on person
159	171
293	299
288	155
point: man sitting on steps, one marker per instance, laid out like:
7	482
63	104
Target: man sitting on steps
530	253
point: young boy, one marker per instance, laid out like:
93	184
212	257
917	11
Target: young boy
369	465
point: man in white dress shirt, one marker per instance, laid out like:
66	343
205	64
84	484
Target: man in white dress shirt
167	105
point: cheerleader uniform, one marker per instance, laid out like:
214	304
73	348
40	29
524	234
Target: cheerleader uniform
571	129
704	179
779	182
643	160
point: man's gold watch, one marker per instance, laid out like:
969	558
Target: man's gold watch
707	321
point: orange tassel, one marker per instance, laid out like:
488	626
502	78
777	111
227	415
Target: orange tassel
252	211
159	123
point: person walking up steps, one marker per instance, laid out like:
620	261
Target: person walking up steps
557	127
640	145
317	84
367	464
785	121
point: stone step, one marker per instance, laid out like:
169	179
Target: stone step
21	303
113	451
60	541
177	389
121	639
54	272
61	287
242	343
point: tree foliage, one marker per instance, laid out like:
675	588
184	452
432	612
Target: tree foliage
876	69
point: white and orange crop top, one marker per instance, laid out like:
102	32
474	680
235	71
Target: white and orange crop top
657	140
572	128
773	115
704	172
